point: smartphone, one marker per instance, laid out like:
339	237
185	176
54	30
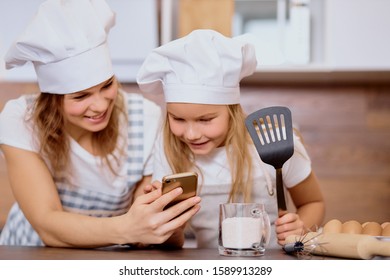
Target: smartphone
187	180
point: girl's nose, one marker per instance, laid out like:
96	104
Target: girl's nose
192	133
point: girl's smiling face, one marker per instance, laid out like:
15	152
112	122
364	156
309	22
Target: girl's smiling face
90	110
202	127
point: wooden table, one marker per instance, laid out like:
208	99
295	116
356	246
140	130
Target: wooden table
123	253
126	253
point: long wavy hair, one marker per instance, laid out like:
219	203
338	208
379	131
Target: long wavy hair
47	115
181	158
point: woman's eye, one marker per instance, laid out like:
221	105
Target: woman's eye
81	96
108	85
205	120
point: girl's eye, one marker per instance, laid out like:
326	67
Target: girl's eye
177	119
205	120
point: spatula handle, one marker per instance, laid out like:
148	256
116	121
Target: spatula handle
280	192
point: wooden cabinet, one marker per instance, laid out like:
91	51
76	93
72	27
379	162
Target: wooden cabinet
205	14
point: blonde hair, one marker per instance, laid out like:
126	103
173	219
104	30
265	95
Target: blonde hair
47	115
181	158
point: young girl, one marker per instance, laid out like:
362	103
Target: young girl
76	152
204	131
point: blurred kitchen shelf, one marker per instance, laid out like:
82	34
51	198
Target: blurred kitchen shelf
317	75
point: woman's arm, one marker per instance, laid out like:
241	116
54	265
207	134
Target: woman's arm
37	196
308	200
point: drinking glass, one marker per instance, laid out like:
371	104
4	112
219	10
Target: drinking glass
244	229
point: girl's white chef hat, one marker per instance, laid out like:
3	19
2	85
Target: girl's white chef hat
67	43
203	67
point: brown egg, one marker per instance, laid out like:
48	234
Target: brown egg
383	225
333	226
372	228
351	227
364	224
386	230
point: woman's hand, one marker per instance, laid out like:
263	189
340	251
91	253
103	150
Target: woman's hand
147	221
288	224
151	187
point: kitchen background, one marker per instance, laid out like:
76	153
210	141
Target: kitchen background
327	60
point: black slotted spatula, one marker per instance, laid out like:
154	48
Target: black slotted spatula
272	133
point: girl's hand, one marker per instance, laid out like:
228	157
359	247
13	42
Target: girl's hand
147	222
288	224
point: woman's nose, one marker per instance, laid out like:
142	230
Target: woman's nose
99	103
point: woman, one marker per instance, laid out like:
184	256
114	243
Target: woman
80	152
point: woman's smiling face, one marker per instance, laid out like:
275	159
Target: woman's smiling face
90	110
202	127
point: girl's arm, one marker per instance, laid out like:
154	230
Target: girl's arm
308	200
36	194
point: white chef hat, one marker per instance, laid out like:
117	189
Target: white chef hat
203	67
67	43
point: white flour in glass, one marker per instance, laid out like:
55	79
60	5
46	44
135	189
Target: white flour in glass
241	232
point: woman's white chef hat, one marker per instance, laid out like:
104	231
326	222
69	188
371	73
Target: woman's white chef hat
203	67
67	43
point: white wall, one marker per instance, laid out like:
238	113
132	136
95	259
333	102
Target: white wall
133	37
357	34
